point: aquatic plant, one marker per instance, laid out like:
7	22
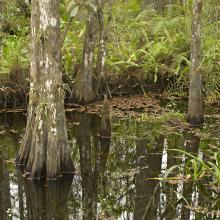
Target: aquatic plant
197	168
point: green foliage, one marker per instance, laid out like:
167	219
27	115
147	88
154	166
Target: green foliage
149	45
197	168
15	53
157	45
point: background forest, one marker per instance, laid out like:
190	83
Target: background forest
148	45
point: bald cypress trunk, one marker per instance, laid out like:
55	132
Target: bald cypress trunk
44	149
92	70
195	108
84	83
102	35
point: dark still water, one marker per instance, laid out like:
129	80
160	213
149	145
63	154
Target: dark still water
114	173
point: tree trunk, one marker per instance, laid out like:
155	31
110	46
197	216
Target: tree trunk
1	24
89	78
195	108
84	83
44	149
99	70
158	5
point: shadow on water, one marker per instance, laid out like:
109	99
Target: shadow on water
116	166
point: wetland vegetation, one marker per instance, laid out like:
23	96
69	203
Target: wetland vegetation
109	109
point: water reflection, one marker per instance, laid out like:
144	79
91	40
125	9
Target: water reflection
147	190
188	191
115	163
93	138
47	200
5	203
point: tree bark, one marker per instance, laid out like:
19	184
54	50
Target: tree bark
89	78
99	70
195	108
1	24
84	83
44	149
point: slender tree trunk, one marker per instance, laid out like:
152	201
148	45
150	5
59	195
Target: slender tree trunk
89	78
158	5
195	108
84	83
1	24
44	149
99	70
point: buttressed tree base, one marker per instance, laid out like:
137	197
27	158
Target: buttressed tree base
44	150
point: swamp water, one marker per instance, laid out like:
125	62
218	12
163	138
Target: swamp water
114	173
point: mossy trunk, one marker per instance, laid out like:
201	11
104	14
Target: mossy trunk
84	83
195	108
44	149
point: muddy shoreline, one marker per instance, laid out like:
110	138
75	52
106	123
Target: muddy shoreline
121	106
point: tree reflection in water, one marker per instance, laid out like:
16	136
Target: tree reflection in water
147	191
93	139
47	200
112	182
186	192
5	203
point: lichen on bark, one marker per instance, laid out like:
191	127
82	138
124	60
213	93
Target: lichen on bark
44	150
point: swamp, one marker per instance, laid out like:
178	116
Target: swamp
109	109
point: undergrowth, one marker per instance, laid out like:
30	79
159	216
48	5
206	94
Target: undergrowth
148	45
